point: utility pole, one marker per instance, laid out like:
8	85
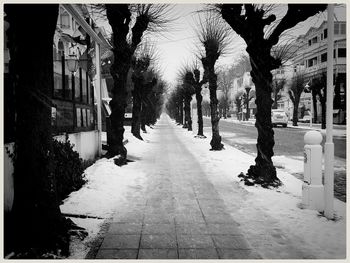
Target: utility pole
329	146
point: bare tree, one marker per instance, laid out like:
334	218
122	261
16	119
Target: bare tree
318	89
214	37
140	64
127	35
259	27
277	87
295	90
225	81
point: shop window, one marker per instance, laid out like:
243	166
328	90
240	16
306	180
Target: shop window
77	86
68	86
58	87
84	117
84	86
78	111
64	116
341	52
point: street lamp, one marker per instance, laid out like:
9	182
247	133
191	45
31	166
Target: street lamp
72	65
307	88
247	89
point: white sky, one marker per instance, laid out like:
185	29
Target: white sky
179	45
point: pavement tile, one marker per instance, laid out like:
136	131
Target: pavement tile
189	218
121	241
223	229
163	253
230	241
225	253
125	228
191	228
158	241
158	218
158	229
194	241
199	253
117	254
128	218
222	218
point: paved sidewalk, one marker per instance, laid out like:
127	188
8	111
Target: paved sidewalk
180	213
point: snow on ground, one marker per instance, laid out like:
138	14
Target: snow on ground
106	185
321	237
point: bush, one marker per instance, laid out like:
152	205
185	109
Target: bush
68	168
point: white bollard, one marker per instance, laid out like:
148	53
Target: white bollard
313	189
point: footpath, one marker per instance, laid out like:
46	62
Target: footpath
189	204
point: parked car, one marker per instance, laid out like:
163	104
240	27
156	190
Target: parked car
279	117
307	117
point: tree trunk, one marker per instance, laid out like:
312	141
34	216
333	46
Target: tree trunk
215	142
136	108
323	112
119	17
314	101
181	112
199	111
295	111
37	222
247	113
263	172
187	109
143	117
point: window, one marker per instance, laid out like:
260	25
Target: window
309	42
312	62
68	86
84	118
77	86
336	29
341	52
83	87
324	57
78	110
65	23
325	33
343	28
314	40
57	85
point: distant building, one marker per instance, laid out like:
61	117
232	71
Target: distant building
311	60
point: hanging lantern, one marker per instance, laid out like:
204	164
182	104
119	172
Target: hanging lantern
72	63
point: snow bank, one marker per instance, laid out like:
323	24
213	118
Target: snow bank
107	185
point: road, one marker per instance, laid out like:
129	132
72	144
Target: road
288	142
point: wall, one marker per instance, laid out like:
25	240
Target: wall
85	143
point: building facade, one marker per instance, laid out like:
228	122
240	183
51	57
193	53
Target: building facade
76	89
311	60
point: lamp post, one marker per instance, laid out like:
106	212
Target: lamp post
72	65
247	89
307	88
329	146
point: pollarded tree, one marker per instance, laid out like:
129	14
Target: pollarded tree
214	37
277	87
127	35
318	88
252	23
187	79
140	66
225	81
198	83
38	226
296	88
